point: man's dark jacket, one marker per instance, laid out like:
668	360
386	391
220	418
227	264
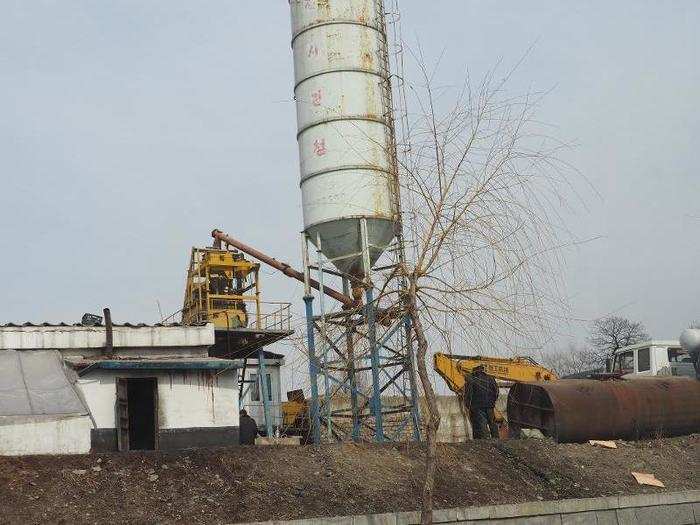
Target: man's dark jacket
482	391
248	430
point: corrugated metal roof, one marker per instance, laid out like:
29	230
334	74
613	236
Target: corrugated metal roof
127	325
65	336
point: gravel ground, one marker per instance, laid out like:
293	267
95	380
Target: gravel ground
227	485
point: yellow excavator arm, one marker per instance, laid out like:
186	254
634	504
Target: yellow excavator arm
454	369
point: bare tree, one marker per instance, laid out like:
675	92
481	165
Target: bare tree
480	186
610	333
573	360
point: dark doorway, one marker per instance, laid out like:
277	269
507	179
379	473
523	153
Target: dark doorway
141	413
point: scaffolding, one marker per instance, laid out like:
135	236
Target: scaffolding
361	359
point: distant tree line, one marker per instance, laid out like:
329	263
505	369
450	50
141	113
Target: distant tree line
607	335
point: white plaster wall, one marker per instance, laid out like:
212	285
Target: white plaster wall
187	398
20	436
198	399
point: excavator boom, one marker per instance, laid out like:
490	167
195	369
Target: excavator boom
454	369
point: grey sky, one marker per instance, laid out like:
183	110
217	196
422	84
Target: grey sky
129	129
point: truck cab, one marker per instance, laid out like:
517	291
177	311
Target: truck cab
652	358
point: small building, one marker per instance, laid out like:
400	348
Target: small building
74	389
154	387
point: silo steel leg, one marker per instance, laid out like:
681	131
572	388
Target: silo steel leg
374	357
262	377
313	371
350	348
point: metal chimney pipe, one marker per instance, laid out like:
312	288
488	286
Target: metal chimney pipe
109	346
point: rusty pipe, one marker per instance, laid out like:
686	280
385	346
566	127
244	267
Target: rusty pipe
576	410
283	267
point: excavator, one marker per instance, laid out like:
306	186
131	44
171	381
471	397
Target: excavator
456	370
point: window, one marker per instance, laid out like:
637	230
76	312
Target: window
255	387
677	355
269	387
625	362
643	360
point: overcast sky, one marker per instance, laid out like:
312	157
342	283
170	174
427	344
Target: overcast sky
130	129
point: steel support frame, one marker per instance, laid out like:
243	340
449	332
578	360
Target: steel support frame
343	344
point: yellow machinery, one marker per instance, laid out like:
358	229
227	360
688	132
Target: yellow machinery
219	284
295	415
456	369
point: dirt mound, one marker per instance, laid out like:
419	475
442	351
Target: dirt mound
260	483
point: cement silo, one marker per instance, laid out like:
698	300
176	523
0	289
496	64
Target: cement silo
350	208
342	99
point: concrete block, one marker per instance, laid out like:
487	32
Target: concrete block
478	513
341	520
531	520
606	517
530	508
580	518
659	498
681	514
626	516
696	511
566	506
449	516
375	519
338	520
408	518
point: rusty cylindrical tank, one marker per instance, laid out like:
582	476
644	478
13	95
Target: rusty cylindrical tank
576	410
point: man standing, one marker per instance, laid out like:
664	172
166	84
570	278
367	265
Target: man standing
248	429
480	399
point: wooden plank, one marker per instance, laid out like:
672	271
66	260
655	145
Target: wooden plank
122	410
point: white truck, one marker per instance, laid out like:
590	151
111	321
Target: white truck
653	358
